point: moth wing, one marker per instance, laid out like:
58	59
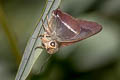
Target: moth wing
64	26
69	30
87	28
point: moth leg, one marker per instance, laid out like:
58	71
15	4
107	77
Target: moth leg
41	47
41	35
45	28
48	24
43	25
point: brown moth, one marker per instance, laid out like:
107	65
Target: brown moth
64	30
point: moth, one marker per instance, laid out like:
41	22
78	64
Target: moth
63	30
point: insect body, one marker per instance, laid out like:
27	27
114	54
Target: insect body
64	30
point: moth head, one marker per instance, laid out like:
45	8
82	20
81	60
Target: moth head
51	46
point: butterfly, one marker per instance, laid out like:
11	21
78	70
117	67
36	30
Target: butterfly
63	30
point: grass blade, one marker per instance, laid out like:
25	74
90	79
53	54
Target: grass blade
30	54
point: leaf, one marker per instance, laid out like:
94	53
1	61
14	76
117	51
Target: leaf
30	54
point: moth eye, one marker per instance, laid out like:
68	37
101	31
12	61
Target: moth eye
52	44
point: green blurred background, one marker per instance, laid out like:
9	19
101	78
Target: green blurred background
96	58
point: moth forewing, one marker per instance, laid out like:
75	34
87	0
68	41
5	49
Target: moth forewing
64	30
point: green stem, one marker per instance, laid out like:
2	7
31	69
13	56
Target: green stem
9	35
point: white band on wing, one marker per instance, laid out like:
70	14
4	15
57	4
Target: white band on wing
69	27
